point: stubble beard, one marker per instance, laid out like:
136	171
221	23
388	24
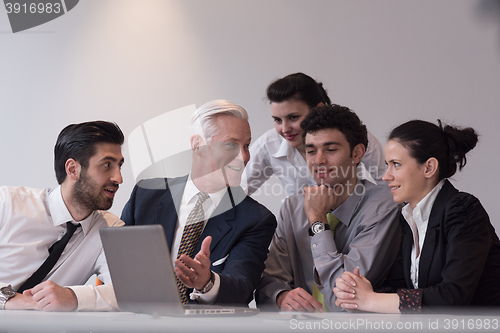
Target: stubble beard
87	195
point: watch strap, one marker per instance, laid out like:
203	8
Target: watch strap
209	285
3	300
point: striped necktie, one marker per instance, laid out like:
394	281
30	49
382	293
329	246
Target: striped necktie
191	236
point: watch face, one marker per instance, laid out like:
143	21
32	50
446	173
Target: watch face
8	291
317	227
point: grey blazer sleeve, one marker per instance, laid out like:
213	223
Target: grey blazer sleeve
373	250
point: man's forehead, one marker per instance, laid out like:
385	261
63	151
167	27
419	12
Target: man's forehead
108	151
232	129
231	137
325	136
234	132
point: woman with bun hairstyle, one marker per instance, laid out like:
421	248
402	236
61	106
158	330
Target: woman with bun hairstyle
449	254
281	151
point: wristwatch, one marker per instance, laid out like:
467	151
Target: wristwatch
209	285
6	293
318	227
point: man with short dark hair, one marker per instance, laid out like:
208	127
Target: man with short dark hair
50	238
342	223
218	237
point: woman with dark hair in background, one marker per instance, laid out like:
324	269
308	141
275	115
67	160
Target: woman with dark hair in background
450	254
281	151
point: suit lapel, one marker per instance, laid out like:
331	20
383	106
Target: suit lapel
171	199
406	244
432	234
426	256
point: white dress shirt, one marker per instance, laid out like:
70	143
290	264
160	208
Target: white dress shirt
271	155
31	220
188	201
418	219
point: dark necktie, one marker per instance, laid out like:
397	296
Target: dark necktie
55	252
190	237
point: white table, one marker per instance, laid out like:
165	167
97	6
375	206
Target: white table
39	322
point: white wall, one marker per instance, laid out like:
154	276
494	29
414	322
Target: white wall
131	60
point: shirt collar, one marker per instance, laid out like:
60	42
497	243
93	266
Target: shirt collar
190	191
346	210
424	206
284	149
292	154
60	213
363	173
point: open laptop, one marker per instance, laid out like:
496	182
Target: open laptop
143	276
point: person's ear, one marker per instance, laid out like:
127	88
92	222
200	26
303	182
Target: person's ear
431	167
196	143
321	104
73	169
358	152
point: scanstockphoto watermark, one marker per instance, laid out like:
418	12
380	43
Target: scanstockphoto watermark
431	324
298	177
355	324
278	189
339	189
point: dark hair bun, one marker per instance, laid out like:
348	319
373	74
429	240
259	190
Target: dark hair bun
460	142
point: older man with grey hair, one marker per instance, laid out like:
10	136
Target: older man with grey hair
218	237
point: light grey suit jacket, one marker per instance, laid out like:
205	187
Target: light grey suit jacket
368	236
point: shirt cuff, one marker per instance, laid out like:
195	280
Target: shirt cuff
209	297
323	243
92	298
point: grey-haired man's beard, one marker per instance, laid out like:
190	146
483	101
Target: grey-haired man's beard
88	195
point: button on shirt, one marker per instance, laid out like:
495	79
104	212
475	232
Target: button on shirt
31	220
188	201
418	219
